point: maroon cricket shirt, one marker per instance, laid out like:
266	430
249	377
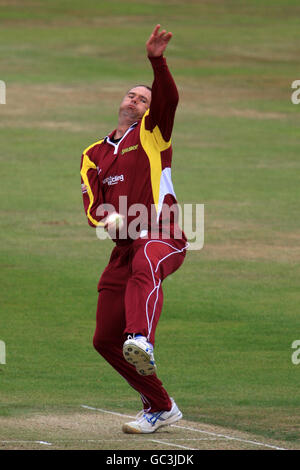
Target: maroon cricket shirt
137	169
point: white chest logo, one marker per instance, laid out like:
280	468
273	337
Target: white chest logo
110	180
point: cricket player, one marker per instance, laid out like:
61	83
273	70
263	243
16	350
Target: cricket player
133	162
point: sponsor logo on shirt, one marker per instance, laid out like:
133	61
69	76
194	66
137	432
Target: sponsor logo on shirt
110	180
129	149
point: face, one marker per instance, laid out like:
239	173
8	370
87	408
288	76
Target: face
136	102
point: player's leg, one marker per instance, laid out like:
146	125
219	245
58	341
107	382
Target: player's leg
110	319
108	341
110	316
109	335
152	262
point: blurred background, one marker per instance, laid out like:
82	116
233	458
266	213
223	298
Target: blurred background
232	312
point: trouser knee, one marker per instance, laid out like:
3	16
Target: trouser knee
100	344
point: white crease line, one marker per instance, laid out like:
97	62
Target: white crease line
105	411
224	436
170	444
26	442
195	439
122	440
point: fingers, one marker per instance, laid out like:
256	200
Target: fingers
156	29
158	42
161	34
167	37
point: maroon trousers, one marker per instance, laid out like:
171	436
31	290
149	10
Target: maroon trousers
130	301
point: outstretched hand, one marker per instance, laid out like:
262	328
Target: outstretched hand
157	42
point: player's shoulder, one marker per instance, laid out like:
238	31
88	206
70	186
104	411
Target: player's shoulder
88	150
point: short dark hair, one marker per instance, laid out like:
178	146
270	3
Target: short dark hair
145	86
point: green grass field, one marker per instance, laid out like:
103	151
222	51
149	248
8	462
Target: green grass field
232	311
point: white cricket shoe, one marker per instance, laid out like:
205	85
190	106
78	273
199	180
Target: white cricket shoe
138	352
146	423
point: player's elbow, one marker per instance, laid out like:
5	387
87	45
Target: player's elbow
174	100
174	96
172	104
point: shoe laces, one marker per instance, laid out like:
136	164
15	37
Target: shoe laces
143	339
148	416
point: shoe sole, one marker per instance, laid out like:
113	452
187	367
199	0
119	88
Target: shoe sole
139	359
128	429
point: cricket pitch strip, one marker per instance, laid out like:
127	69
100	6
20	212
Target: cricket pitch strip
100	429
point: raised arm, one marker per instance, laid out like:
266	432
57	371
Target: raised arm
164	91
157	42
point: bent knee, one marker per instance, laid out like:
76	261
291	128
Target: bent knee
99	343
106	345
